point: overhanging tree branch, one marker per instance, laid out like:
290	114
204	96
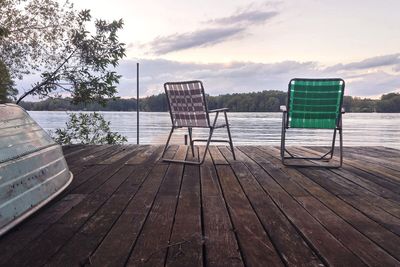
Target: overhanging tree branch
37	87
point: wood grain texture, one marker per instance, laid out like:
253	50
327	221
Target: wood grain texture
126	207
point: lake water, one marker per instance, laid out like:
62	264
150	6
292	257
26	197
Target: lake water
264	128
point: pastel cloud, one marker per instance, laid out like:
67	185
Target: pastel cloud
236	77
216	31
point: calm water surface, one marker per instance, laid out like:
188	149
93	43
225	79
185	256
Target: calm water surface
360	129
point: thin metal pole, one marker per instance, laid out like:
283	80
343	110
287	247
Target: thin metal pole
137	103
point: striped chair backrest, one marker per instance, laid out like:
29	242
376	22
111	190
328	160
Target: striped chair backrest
315	103
187	104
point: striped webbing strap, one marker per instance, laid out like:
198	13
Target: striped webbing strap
187	104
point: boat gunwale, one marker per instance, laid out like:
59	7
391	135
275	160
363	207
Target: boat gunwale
29	212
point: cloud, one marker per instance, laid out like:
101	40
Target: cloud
219	78
238	77
372	84
373	62
246	17
201	38
217	31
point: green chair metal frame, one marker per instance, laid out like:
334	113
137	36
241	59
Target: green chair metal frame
314	104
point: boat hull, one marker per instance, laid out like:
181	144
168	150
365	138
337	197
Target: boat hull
33	169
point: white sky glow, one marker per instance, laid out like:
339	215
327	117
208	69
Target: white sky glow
242	46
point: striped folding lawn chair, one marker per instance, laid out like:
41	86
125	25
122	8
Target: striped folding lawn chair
314	104
188	109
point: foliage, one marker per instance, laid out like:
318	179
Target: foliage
87	128
33	33
389	103
265	101
52	39
8	92
43	36
254	102
357	104
249	102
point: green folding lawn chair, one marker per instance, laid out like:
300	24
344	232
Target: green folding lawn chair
313	104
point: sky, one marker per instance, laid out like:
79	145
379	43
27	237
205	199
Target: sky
238	46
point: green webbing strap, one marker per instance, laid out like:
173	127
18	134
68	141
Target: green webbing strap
315	103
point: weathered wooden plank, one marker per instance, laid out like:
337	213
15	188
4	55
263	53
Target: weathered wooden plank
375	152
368	185
370	253
374	169
71	148
371	155
86	154
78	167
362	194
186	242
79	248
303	152
354	211
77	150
255	245
291	246
126	150
274	170
124	233
56	210
82	244
333	180
386	239
216	155
382	217
323	242
97	180
382	181
377	208
82	177
49	214
153	241
221	246
383	166
392	152
37	252
144	153
14	241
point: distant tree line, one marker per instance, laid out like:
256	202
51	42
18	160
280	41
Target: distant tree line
265	101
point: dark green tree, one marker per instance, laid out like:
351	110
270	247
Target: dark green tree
389	103
42	36
52	39
8	92
33	33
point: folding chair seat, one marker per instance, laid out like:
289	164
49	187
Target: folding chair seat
313	104
188	109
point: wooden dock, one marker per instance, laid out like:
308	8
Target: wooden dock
125	207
